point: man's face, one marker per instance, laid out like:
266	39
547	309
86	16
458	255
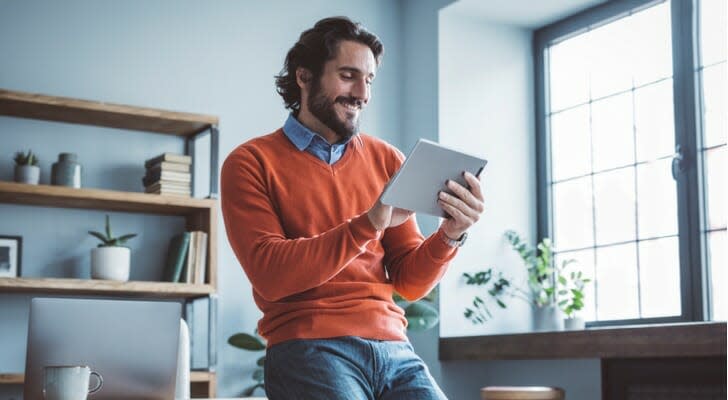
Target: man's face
343	89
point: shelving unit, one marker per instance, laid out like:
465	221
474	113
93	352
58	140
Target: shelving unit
199	214
203	384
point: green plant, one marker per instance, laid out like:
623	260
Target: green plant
540	266
571	293
548	283
251	343
500	287
107	240
25	159
422	314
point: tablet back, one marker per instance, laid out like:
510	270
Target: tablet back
424	173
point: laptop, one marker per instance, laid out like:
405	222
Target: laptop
132	344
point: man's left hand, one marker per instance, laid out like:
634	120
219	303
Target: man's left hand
463	206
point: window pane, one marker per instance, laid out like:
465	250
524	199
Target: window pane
573	226
569	72
654	123
614	211
570	143
611	48
584	262
715	168
660	277
713	33
715	106
717	244
657	199
653	44
613	134
617	282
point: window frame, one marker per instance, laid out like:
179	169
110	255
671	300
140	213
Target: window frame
694	284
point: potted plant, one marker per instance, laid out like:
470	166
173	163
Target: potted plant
499	288
572	298
251	343
26	168
110	260
542	281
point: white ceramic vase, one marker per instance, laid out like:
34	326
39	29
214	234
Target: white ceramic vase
574	323
27	174
547	318
111	263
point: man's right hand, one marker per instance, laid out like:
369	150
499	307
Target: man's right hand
383	216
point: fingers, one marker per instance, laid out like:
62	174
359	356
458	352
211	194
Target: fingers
462	207
473	197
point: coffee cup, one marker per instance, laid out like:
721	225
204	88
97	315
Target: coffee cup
69	382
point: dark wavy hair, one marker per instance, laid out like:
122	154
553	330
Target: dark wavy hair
314	48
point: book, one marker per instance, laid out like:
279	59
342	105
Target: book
176	257
169	186
166	176
191	258
201	258
168	166
168	193
201	316
169	157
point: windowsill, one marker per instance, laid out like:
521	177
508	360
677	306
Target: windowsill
692	339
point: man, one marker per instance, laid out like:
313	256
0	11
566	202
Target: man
323	255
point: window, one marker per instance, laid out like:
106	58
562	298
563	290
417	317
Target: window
631	182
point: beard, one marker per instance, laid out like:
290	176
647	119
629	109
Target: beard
323	108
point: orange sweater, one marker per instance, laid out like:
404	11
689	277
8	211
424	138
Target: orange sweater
299	228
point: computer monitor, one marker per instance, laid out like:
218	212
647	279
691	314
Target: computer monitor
132	344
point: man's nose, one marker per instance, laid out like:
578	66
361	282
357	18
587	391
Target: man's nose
360	91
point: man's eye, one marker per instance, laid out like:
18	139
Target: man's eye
347	76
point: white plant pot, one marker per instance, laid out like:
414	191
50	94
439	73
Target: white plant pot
546	319
110	263
27	174
574	324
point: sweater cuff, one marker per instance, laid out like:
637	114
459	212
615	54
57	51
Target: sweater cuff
439	250
362	230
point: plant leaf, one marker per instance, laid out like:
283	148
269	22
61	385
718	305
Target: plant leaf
258	375
99	236
261	361
421	316
124	238
108	227
246	342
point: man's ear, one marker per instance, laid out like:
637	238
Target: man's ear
303	77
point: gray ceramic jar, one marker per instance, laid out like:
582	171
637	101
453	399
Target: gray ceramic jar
66	171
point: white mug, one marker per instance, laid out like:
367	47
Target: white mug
69	382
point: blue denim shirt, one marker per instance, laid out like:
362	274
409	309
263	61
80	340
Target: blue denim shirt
304	139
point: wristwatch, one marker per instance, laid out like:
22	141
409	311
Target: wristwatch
455	243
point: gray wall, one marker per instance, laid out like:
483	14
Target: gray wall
208	57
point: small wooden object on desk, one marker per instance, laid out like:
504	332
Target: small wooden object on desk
521	393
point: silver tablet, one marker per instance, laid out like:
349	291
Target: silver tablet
424	173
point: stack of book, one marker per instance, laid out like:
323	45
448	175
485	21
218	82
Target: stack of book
168	174
187	258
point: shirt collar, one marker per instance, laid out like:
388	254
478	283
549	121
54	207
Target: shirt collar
300	136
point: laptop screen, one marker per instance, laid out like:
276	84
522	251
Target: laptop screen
132	344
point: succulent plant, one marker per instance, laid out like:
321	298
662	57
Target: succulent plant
25	159
108	240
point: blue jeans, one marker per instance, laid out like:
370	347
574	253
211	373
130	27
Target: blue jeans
347	368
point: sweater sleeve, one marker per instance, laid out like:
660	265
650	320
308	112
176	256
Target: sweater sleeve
279	267
415	264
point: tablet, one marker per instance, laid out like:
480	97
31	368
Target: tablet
424	173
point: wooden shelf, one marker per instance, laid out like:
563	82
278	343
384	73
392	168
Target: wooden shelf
98	199
104	287
19	378
12	379
694	339
52	108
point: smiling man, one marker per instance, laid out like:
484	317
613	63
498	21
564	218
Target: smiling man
323	255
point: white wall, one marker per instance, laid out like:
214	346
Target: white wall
486	107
